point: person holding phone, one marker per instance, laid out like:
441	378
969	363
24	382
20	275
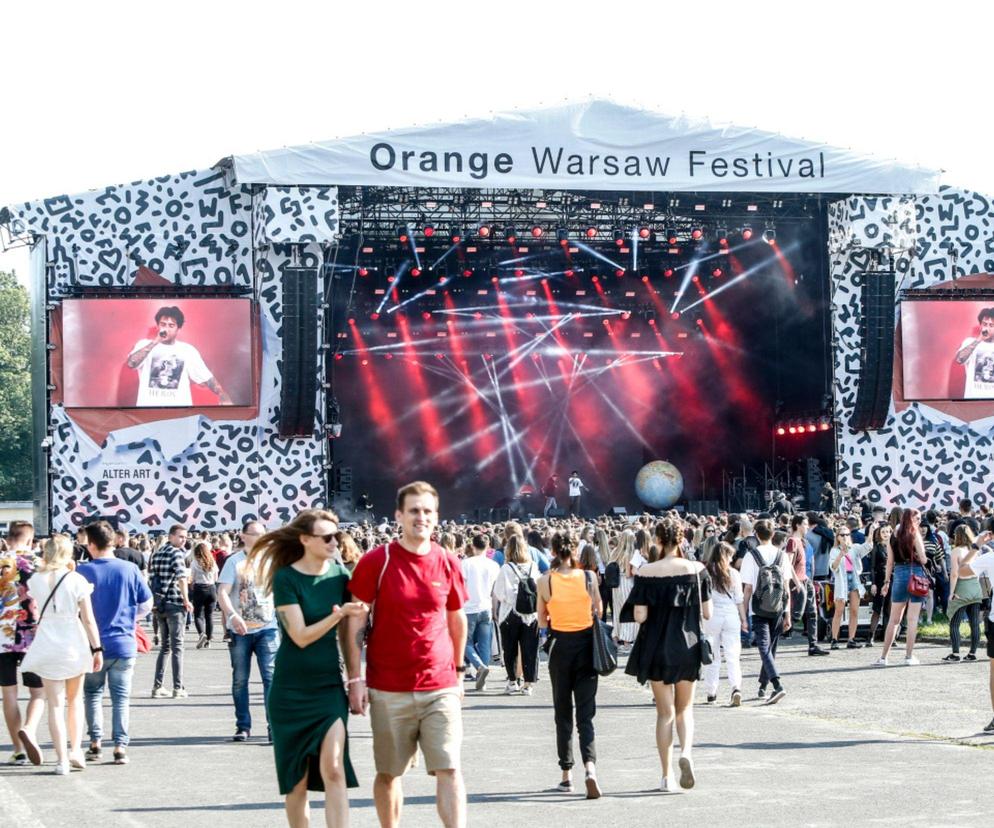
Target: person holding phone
976	354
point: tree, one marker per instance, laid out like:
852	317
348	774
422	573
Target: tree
15	390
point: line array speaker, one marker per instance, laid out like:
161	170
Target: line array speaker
298	392
876	366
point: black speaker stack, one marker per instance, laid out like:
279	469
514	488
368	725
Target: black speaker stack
876	368
298	393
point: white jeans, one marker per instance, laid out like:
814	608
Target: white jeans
723	626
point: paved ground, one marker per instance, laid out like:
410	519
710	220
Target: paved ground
850	742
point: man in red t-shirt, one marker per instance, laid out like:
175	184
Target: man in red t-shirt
414	660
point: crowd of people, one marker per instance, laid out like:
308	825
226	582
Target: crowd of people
393	618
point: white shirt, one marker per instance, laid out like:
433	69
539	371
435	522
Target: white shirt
979	371
734	596
768	553
984	565
575	485
165	373
637	560
506	589
480	574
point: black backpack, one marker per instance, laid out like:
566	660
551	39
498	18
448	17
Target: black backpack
612	575
770	597
526	602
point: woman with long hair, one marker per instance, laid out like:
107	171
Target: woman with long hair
878	575
567	602
905	557
964	585
671	597
348	550
727	619
518	630
603	558
203	592
709	541
643	548
625	633
66	646
307	705
846	565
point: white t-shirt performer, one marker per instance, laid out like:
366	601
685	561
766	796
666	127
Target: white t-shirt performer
576	487
166	367
976	355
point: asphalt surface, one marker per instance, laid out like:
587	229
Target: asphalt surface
850	742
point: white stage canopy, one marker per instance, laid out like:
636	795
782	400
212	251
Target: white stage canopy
597	145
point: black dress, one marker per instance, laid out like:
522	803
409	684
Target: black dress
666	647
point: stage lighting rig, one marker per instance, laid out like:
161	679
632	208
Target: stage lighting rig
403	236
562	235
619	236
746	233
697	234
510	234
485	231
590	232
722	234
456	235
770	234
645	233
428	231
537	232
671	236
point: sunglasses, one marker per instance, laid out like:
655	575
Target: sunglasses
843	534
326	538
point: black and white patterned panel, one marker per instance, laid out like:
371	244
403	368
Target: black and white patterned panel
915	459
190	228
296	215
194	231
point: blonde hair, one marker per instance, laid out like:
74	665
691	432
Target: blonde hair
623	551
57	552
515	550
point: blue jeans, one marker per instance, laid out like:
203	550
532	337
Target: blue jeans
241	647
117	673
479	638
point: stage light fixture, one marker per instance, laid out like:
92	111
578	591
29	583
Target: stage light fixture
455	235
519	273
388	356
426	315
697	234
415	271
792	429
675	314
569	273
485	231
652	321
722	233
645	279
402	234
746	233
626	315
365	362
467	272
351	320
495	279
824	425
363	271
619	236
781	430
716	273
644	233
374	316
339	356
594	279
510	234
812	427
619	272
562	235
591	232
671	236
429	231
769	234
668	273
537	232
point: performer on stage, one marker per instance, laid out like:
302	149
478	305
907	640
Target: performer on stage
575	488
549	490
827	498
977	355
166	367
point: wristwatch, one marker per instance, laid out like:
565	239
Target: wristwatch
461	668
95	650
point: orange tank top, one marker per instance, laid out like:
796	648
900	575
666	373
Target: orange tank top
569	605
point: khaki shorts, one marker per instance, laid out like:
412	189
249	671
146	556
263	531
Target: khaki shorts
402	722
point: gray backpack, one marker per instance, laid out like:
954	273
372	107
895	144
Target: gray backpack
769	599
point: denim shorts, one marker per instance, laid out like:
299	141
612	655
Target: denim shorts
852	582
899	584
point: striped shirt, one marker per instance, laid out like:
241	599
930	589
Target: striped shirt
165	569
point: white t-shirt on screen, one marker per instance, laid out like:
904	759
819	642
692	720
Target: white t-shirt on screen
164	375
979	371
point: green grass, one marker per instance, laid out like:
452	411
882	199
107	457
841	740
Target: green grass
939	628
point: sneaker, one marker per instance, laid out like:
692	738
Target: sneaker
241	736
970	657
566	786
18	759
120	756
161	693
712	699
94	751
989	728
854	645
817	651
951	657
835	644
30	747
664	786
61	768
180	693
778	693
686	766
593	789
911	661
762	693
511	688
736	698
155	641
481	677
880	662
526	690
207	644
201	641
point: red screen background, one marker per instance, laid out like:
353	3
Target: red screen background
99	334
931	333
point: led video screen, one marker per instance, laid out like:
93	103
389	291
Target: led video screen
948	349
157	353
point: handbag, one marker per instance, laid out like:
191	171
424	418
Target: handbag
605	651
918	585
703	642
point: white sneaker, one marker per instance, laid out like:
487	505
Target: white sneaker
880	662
664	786
526	690
510	688
61	768
161	693
911	661
180	693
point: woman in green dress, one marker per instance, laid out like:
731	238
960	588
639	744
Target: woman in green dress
307	705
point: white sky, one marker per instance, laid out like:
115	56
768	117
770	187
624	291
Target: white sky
99	93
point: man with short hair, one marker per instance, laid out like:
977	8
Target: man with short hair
965	516
414	663
120	598
123	551
767	627
168	579
576	488
480	574
976	355
251	625
18	619
166	367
